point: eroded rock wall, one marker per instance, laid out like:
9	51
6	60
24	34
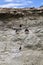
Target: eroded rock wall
15	17
31	43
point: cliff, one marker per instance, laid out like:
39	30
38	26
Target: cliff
21	36
31	16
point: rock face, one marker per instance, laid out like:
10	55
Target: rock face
21	28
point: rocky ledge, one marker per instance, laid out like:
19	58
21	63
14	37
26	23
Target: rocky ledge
9	16
21	12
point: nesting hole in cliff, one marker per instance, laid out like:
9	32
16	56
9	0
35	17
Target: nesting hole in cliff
26	31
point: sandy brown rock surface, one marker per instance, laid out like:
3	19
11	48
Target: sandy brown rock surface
12	36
